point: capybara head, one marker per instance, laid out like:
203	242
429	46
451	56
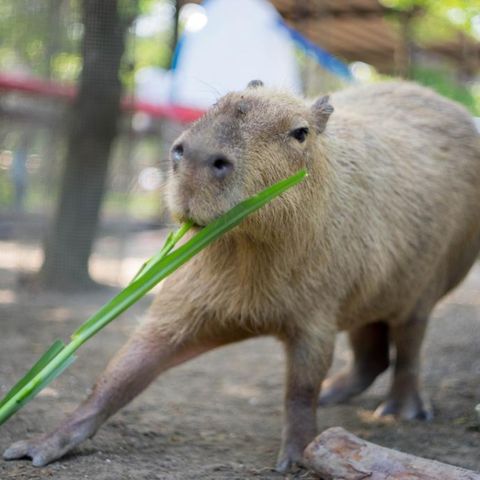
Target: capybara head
247	141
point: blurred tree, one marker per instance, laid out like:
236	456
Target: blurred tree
428	23
41	37
439	19
92	129
52	46
156	32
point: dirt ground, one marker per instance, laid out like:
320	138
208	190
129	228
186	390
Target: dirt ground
219	416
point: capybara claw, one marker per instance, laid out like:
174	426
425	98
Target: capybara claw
16	450
41	451
289	461
29	449
286	465
406	409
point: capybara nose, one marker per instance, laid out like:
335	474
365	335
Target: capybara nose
220	166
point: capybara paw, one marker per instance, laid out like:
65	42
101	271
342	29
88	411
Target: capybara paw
411	407
286	465
289	460
27	449
341	387
41	450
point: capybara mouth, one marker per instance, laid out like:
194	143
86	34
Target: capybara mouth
186	215
199	213
183	218
197	224
201	223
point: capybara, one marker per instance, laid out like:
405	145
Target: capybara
387	222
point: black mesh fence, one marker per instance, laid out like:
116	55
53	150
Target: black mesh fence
69	154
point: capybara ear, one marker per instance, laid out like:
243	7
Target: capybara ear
255	84
322	111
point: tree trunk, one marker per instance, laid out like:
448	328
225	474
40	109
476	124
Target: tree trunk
337	454
52	44
92	129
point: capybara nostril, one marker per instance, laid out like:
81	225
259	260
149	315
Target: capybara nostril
177	154
220	165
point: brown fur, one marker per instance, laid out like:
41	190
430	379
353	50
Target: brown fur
386	223
390	207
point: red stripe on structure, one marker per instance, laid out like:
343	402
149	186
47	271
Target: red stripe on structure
44	88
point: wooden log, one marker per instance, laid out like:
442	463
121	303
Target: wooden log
339	455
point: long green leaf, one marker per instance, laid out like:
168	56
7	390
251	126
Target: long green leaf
29	394
170	242
60	356
52	352
157	272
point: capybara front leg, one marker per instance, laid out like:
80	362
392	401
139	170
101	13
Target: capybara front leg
308	360
404	400
133	368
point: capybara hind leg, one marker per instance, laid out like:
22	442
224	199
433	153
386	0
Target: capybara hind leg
370	357
404	400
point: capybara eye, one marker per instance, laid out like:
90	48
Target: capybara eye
300	134
177	153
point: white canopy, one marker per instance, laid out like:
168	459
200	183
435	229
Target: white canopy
241	41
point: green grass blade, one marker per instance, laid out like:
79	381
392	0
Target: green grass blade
52	352
158	271
59	356
10	406
170	242
42	383
167	246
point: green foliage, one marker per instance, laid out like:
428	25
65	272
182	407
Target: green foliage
436	22
439	20
6	190
44	37
443	83
66	66
34	34
154	49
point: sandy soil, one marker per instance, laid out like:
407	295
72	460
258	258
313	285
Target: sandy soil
219	417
